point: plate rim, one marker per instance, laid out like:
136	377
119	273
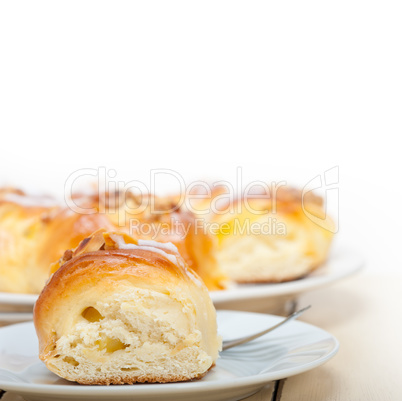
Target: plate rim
309	282
171	388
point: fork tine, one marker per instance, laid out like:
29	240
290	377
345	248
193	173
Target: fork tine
233	343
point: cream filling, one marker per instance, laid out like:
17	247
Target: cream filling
136	331
249	258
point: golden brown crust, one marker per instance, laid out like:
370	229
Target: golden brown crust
277	281
286	201
143	379
222	201
107	262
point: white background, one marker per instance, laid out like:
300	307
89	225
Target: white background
286	90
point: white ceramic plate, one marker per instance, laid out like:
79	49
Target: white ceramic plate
17	317
14	299
239	372
341	263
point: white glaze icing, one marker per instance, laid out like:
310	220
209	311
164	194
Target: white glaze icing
29	201
152	246
163	245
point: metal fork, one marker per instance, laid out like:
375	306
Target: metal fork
234	343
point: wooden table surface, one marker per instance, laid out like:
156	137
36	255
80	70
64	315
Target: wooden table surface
365	314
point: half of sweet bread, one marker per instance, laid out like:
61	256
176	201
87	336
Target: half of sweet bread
268	238
120	310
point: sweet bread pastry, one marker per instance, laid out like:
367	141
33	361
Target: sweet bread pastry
261	239
119	310
161	219
35	231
